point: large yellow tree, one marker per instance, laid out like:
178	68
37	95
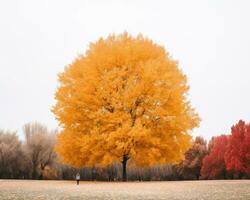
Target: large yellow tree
125	98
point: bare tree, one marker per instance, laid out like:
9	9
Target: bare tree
39	147
11	155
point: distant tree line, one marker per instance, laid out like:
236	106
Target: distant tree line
224	157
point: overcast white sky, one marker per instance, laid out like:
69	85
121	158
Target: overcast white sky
210	39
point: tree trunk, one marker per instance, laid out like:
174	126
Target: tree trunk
34	174
124	167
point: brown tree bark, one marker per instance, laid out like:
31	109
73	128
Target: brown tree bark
124	167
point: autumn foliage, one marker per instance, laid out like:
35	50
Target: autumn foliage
190	167
213	166
237	156
124	99
229	155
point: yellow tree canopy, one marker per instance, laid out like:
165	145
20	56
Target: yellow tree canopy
125	97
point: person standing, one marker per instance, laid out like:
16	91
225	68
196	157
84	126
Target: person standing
77	178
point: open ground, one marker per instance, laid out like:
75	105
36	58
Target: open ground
202	190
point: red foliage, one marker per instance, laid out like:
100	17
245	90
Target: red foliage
237	157
213	166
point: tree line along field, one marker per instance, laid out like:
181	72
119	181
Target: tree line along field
35	158
181	190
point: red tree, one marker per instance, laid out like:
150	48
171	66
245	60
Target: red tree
237	156
213	165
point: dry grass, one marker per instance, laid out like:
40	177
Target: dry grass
200	190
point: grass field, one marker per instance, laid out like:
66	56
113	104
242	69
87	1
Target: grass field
202	190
